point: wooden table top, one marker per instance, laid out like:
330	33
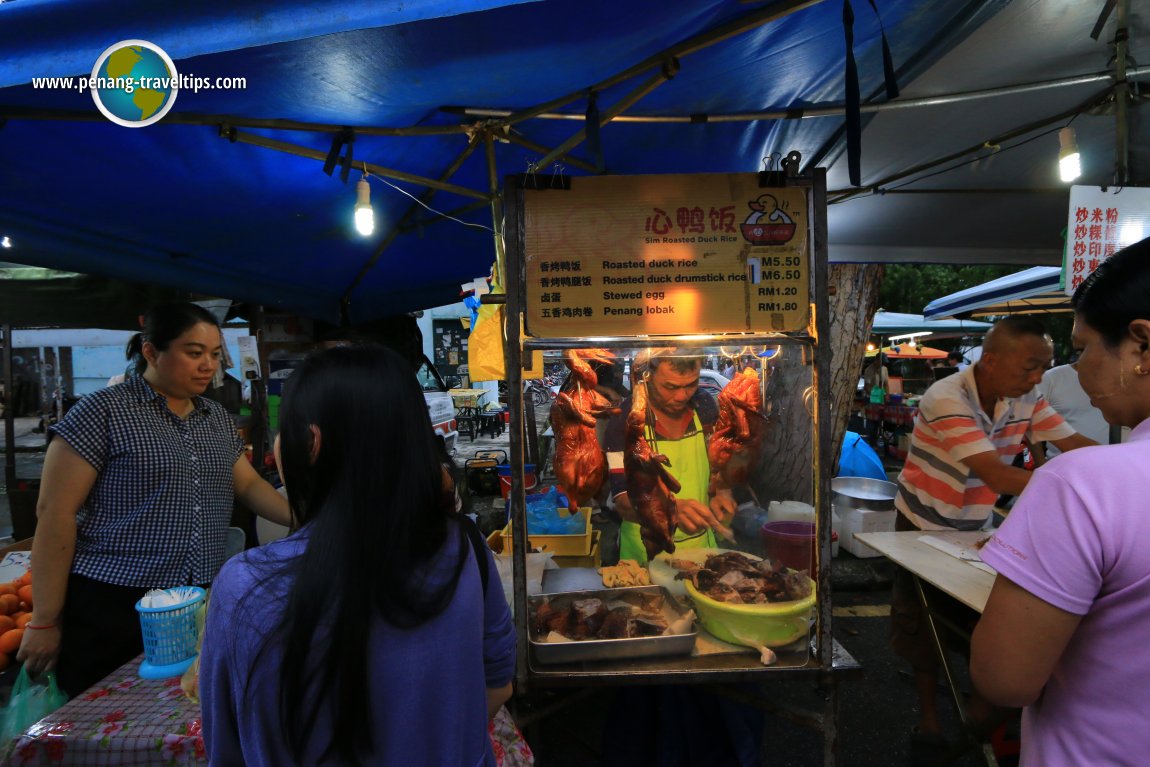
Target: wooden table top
958	578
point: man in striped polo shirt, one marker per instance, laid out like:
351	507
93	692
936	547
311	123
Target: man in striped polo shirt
968	430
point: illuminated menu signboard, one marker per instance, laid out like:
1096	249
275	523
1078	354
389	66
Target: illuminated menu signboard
1101	222
666	255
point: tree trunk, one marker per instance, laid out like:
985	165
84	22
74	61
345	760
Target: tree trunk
788	448
852	305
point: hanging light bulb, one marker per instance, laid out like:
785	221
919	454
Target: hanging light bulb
1069	160
870	346
364	215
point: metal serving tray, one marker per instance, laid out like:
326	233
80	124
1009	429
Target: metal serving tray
613	649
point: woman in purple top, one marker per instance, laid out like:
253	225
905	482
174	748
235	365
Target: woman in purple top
1064	630
366	637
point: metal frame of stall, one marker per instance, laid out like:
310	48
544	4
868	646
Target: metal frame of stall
827	661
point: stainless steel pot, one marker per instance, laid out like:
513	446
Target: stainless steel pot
863	493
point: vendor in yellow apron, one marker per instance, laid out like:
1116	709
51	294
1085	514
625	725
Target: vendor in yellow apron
689	465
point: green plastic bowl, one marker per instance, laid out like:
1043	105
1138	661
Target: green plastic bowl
773	624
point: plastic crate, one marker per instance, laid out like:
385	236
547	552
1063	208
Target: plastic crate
591	559
559	545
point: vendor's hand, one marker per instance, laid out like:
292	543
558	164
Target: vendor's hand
695	517
39	649
723	505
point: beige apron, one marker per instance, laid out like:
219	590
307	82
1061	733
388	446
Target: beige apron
690	466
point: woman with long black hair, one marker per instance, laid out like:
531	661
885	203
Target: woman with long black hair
366	637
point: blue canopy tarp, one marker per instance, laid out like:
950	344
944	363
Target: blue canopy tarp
226	195
1032	290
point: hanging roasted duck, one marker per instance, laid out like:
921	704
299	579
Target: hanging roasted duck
650	487
734	445
580	463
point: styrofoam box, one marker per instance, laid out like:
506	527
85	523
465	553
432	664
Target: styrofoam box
853	521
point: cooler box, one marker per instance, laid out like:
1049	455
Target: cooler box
855	521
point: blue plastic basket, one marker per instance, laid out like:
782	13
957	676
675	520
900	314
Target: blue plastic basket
170	635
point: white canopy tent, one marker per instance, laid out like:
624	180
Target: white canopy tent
897	323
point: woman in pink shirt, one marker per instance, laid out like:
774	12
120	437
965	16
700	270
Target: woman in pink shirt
1064	630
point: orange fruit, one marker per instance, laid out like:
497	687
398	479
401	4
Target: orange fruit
7	588
22	619
24	579
7	624
9	603
10	640
25	594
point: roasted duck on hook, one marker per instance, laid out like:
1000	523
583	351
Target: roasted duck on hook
650	487
580	464
734	445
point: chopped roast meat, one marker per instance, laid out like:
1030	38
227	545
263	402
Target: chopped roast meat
629	615
615	625
588	617
646	626
732	577
735	577
547	618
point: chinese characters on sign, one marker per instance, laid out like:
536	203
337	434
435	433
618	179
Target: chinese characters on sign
1101	223
666	255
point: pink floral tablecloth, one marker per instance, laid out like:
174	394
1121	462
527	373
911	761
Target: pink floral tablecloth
123	720
126	720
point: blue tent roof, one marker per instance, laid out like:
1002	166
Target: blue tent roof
203	200
1032	290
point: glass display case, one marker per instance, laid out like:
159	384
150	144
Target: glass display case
689	431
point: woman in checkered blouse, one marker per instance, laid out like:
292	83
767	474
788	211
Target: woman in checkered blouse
137	492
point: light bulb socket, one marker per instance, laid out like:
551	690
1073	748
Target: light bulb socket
364	215
1067	142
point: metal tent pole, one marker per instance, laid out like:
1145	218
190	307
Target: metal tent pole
9	414
1121	97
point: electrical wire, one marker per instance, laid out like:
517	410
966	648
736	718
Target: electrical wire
956	166
973	160
433	210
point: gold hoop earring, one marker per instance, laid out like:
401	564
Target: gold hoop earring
1139	371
